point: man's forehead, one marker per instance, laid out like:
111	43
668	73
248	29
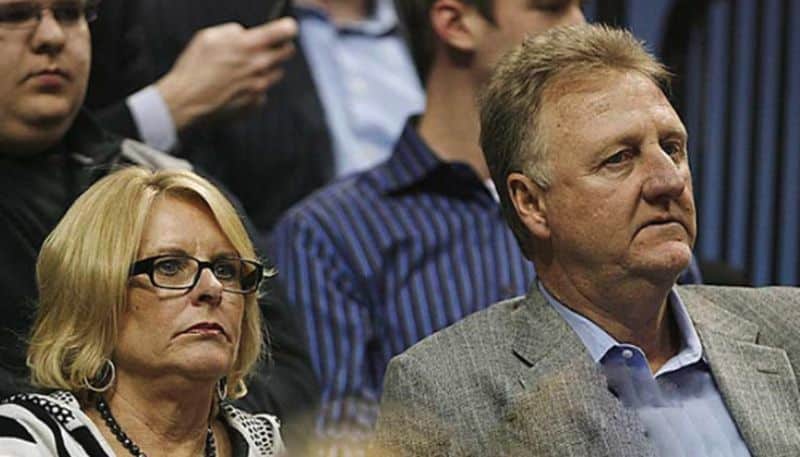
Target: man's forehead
593	91
606	106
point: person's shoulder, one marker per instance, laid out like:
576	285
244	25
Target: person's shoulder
30	416
775	310
742	298
136	153
261	431
329	206
486	331
61	405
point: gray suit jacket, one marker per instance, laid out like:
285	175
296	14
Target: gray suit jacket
515	379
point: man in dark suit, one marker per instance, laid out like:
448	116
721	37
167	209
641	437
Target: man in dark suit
274	153
604	356
223	72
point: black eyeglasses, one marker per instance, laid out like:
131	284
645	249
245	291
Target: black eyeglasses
23	15
181	272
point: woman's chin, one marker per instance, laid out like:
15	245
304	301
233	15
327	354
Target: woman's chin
208	366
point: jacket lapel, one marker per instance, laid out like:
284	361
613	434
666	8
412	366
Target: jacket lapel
565	407
756	381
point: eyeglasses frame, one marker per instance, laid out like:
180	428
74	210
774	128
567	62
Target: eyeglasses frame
147	266
90	14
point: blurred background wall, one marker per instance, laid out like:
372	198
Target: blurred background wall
737	88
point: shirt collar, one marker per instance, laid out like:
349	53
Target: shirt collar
492	189
410	162
413	163
598	342
382	20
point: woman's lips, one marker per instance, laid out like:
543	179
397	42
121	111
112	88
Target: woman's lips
206	328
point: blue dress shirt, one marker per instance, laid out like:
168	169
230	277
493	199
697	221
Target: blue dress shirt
680	406
366	81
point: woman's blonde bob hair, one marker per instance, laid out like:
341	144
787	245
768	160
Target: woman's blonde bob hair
82	275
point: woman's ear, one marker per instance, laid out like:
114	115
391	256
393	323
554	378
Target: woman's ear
529	203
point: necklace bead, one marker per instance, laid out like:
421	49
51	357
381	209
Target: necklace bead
105	412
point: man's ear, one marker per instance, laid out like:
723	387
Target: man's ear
528	200
456	23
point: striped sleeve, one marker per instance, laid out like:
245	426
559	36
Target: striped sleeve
321	281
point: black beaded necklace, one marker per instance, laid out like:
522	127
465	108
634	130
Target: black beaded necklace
127	443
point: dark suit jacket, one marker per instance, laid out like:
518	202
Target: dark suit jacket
515	379
270	158
121	64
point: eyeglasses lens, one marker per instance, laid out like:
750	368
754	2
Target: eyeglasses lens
28	14
178	272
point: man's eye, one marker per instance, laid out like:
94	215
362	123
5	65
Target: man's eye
69	12
17	12
618	158
673	148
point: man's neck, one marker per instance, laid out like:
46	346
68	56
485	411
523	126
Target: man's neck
341	11
635	311
450	125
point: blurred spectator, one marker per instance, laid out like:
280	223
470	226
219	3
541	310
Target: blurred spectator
50	152
386	257
340	105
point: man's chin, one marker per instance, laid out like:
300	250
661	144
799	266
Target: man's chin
26	139
667	261
58	117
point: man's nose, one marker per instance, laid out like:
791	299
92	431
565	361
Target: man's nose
49	35
665	180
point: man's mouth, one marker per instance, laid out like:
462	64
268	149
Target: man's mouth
663	222
50	73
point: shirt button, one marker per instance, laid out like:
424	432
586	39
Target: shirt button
627	354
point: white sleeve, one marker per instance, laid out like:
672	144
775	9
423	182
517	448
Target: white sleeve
152	118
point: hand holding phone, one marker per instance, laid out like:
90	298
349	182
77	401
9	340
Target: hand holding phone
280	8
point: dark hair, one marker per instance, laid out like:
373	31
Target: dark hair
415	17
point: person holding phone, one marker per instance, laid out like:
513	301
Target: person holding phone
338	82
51	151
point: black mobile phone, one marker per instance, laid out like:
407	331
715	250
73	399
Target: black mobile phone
280	8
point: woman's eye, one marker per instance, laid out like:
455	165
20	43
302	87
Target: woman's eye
170	267
226	269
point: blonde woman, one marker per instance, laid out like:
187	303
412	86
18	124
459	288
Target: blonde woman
147	323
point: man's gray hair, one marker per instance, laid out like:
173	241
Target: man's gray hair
511	135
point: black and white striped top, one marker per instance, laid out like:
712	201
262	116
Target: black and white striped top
54	425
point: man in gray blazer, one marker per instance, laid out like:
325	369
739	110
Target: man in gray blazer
605	356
